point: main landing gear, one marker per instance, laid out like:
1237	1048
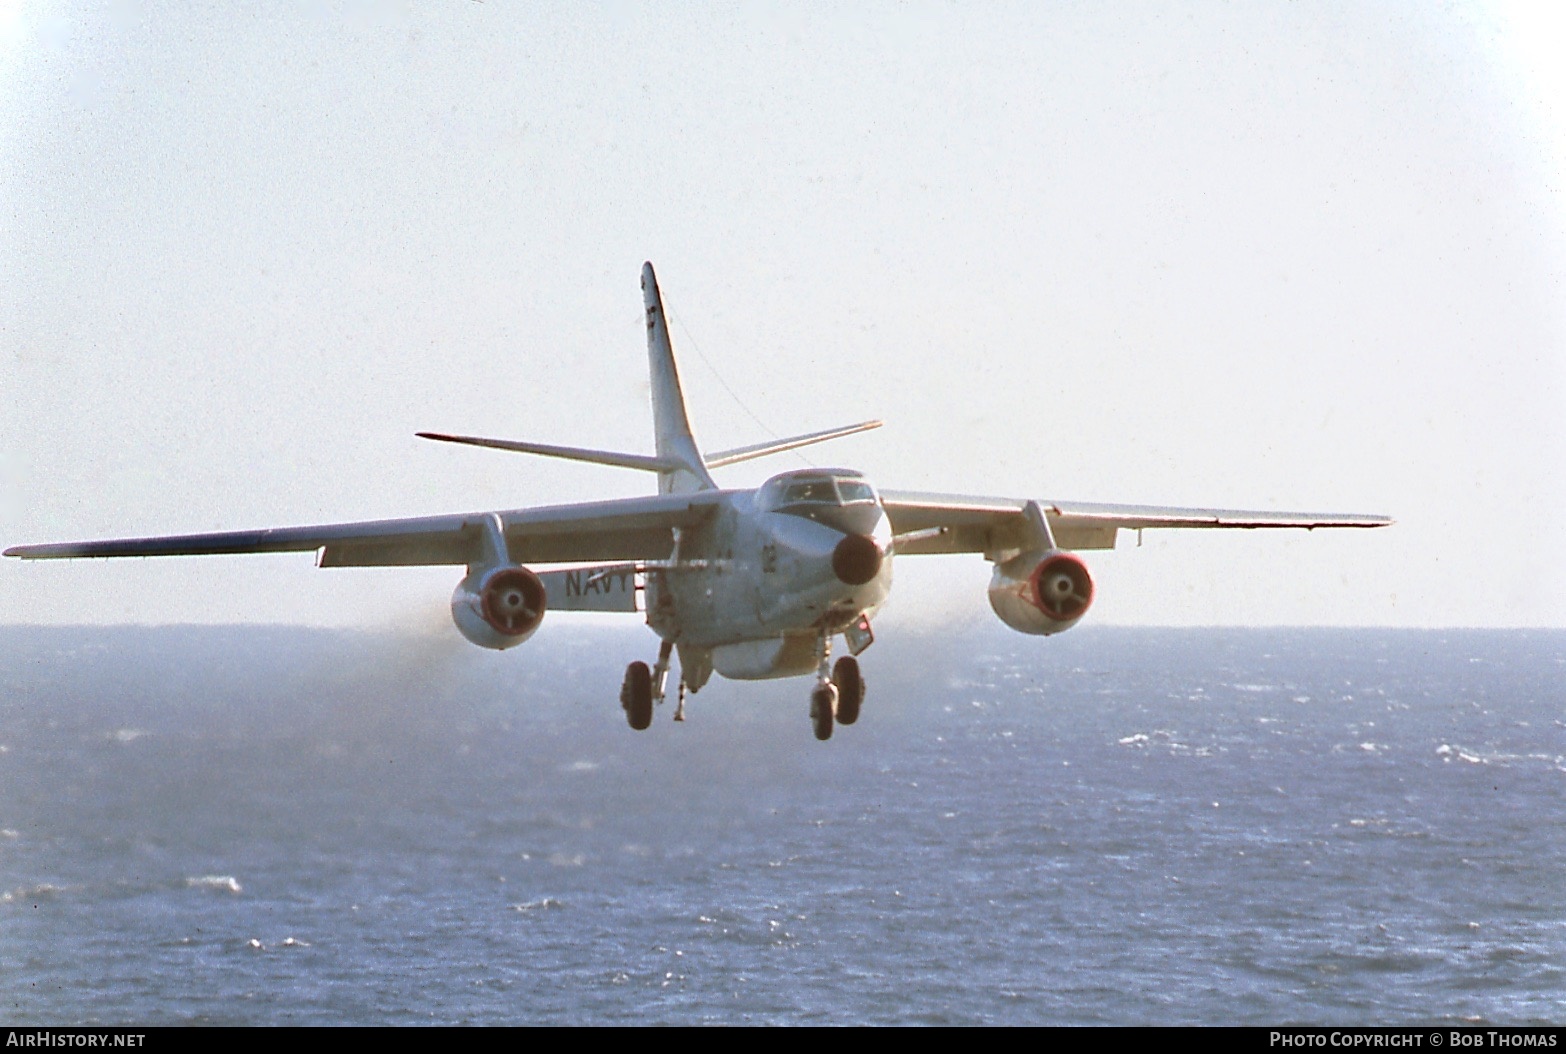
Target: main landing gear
835	700
850	689
645	687
636	695
837	695
823	709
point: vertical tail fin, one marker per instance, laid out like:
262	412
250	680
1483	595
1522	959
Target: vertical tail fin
671	425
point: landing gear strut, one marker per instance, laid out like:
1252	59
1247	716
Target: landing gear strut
660	678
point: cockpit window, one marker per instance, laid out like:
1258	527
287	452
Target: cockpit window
818	491
789	493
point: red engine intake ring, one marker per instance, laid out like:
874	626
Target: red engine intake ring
513	601
1061	587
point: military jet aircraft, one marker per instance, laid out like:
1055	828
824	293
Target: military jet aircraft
749	584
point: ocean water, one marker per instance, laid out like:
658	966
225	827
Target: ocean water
1125	826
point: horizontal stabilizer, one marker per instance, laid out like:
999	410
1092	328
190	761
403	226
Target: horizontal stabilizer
777	446
600	457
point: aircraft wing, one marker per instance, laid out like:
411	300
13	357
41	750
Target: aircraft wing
625	529
952	523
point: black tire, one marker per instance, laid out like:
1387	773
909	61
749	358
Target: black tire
821	707
636	696
850	689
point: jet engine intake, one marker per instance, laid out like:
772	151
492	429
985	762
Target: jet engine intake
499	607
1041	592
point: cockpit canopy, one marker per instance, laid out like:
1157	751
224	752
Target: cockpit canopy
808	489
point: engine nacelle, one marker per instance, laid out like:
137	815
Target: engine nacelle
499	608
1041	592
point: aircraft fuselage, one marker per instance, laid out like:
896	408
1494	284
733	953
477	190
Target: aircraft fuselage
789	559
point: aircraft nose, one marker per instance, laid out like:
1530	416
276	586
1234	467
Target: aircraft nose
856	559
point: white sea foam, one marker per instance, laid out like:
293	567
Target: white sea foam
39	891
216	883
1142	739
542	904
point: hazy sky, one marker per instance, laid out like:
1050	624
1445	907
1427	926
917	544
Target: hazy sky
1286	256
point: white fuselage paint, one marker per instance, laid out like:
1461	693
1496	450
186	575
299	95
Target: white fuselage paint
757	582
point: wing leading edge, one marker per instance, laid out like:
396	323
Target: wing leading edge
952	523
627	529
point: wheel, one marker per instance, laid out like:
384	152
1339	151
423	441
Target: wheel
823	704
636	695
850	689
